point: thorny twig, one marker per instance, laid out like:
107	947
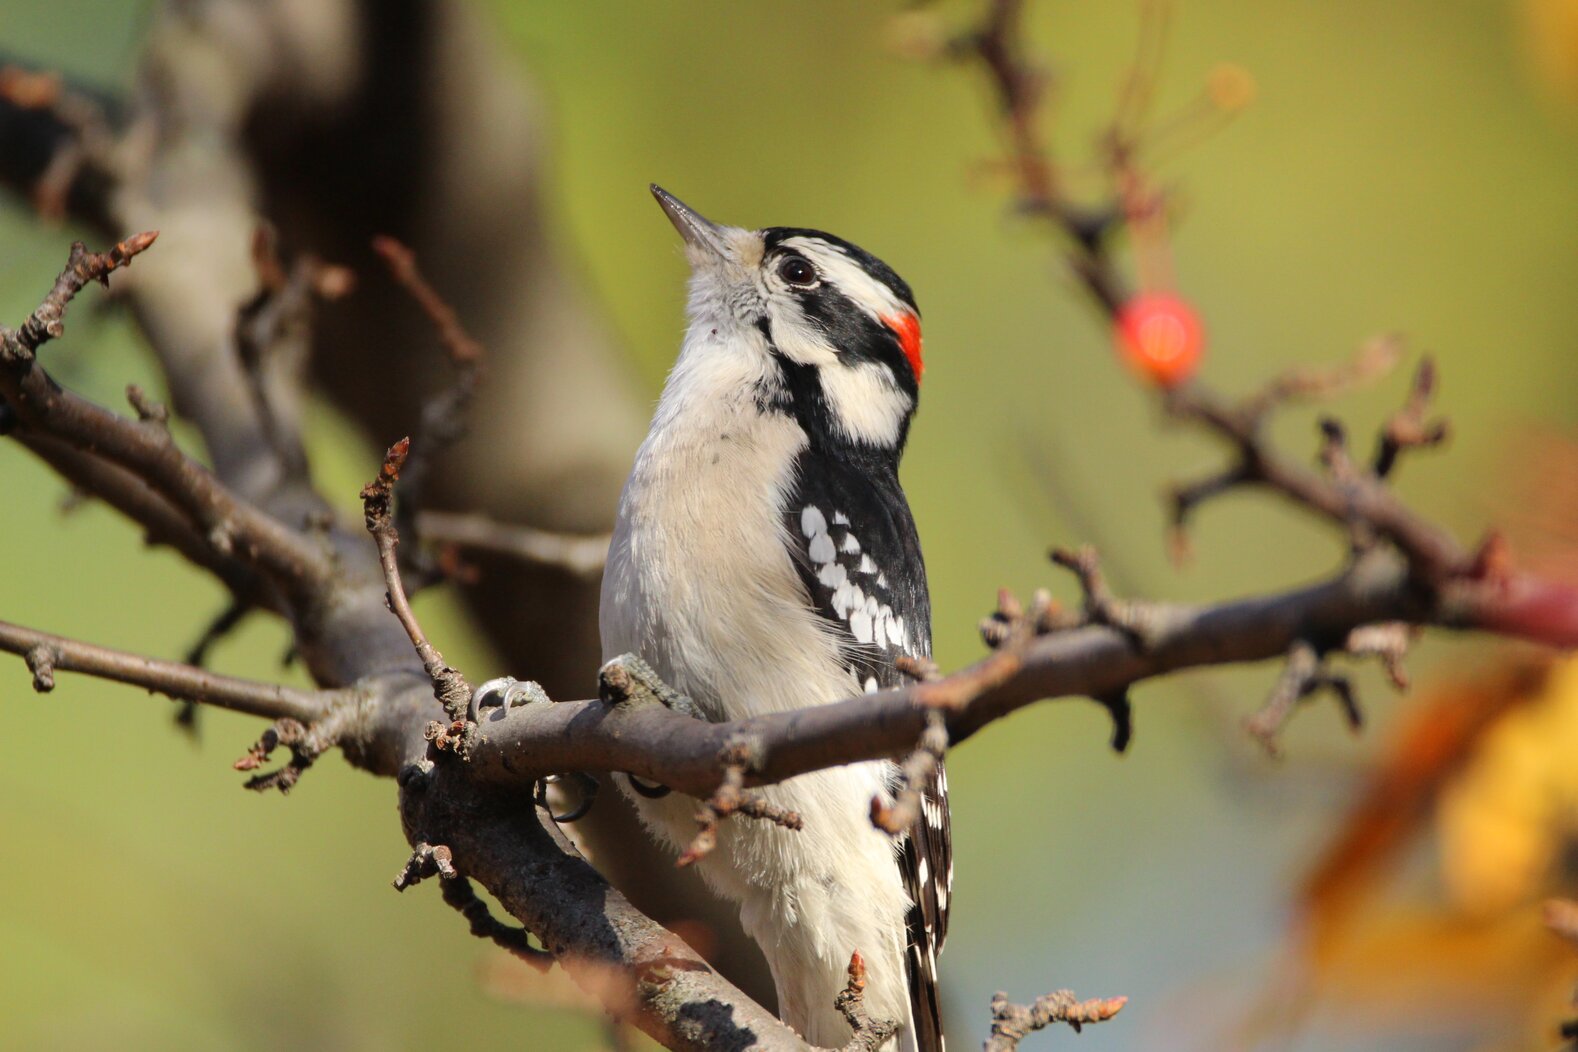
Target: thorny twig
429	860
1408	428
1011	1023
732	798
1302	676
1100	606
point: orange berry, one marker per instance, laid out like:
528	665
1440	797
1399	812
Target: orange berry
1160	336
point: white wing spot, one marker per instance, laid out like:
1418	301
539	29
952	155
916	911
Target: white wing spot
870	684
882	580
851	545
866	565
860	625
846	598
812	523
923	871
822	549
833	575
840	519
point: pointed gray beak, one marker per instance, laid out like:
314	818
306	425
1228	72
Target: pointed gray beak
699	233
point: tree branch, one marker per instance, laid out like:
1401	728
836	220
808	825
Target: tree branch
1011	1023
580	555
171	678
144	447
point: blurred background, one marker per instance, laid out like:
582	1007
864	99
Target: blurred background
1405	167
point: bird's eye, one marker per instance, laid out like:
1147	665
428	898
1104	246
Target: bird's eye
796	271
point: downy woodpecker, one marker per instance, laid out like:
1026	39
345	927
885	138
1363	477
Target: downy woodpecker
765	559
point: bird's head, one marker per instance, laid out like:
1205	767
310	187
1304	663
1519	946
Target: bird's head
836	331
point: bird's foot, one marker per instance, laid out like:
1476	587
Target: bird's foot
505	692
628	680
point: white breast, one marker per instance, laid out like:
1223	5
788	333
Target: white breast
700	581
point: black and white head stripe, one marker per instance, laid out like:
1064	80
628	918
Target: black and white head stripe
843	317
866	279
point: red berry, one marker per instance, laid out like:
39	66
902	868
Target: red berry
1160	336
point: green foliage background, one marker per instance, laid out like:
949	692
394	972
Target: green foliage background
1399	170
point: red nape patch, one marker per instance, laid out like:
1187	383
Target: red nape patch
907	328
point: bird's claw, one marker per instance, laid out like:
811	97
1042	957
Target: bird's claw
506	692
628	680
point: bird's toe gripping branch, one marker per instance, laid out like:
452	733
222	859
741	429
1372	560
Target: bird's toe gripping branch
628	680
505	692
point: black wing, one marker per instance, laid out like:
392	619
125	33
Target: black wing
861	562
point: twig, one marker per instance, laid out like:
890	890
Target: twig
580	555
1408	428
47	322
221	626
171	678
869	1034
915	774
1302	676
449	685
273	340
443	419
731	798
1100	606
1347	496
306	743
1011	1023
426	860
144	448
458	893
1020	89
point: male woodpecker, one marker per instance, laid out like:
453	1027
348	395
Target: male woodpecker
764	559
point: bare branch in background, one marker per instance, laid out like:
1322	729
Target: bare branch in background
445	414
582	556
1012	1023
170	678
